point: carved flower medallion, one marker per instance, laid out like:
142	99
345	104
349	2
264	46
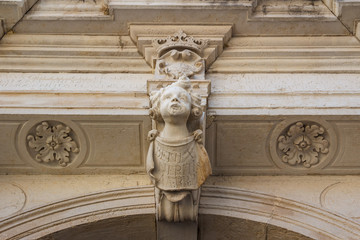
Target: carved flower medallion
53	143
302	144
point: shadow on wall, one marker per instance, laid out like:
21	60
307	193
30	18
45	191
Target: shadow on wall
143	227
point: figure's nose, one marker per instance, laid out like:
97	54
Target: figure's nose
174	99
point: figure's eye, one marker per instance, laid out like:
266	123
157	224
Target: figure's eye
183	97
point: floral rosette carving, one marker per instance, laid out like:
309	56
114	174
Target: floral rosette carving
53	143
302	144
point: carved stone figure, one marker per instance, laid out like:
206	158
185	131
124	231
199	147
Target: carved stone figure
177	162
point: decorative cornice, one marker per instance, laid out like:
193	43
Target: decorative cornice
68	10
70	53
248	17
272	54
347	12
11	11
181	4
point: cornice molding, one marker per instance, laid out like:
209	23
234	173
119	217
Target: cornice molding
70	10
119	54
70	53
252	17
182	4
289	55
348	13
11	11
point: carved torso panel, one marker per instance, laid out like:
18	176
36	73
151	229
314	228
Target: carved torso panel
176	164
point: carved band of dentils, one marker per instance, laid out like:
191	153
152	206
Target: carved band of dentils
53	142
303	144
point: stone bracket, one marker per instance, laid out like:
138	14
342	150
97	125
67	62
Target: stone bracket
216	35
177	161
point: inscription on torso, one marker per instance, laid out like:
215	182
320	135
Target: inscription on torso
176	166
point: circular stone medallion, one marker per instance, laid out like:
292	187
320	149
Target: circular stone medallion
12	199
303	144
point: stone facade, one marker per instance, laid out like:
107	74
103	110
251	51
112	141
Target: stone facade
271	92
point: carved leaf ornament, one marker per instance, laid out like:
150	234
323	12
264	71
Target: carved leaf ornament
302	144
52	143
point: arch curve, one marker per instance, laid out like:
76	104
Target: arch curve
310	221
38	222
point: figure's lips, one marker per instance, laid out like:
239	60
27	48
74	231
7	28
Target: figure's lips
175	106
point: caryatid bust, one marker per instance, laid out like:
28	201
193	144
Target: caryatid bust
177	161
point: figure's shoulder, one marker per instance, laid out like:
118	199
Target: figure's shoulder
196	135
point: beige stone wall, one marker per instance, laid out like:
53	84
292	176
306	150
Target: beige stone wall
276	72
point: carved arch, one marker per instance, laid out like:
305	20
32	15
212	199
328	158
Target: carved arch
310	221
38	222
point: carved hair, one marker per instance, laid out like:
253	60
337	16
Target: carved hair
184	83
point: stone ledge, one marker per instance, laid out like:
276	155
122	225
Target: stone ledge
281	18
121	94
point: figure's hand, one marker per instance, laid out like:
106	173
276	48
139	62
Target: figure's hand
152	135
198	136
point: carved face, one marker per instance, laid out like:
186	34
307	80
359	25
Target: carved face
175	105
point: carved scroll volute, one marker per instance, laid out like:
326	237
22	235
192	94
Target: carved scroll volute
177	161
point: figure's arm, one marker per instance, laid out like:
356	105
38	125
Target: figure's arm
150	156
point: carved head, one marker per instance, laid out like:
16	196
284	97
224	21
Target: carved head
175	102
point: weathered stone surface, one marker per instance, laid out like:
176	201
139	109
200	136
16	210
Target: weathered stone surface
220	227
11	11
289	17
284	75
309	202
13	199
122	228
